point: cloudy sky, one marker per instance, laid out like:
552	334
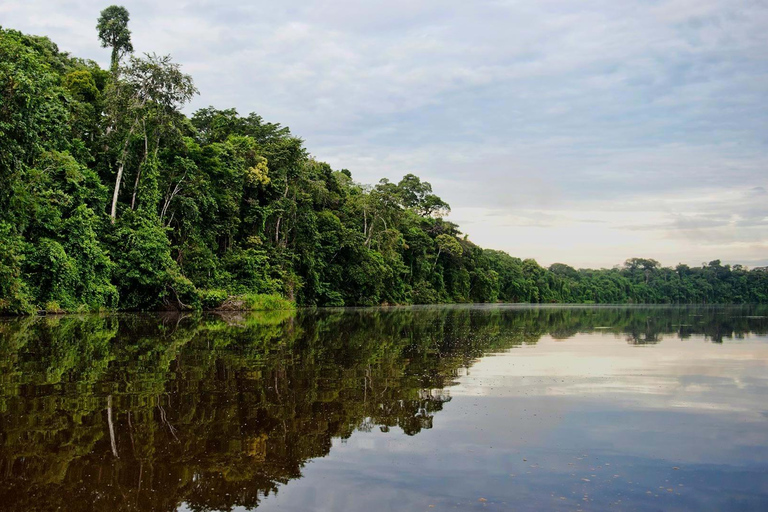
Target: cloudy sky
583	132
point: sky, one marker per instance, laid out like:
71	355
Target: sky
579	132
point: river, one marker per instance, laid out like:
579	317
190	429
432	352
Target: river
500	407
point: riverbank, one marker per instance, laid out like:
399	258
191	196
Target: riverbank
209	300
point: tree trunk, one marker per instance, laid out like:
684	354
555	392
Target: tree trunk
439	250
277	230
280	218
119	178
138	173
113	212
112	440
370	232
170	197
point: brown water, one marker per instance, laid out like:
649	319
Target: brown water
426	408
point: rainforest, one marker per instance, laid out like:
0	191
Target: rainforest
113	198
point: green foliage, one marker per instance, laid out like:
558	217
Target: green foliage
14	293
113	32
33	115
266	302
82	85
145	273
219	208
212	299
248	270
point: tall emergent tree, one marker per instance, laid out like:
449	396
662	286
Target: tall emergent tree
113	33
153	92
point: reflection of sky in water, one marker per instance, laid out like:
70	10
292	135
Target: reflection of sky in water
589	423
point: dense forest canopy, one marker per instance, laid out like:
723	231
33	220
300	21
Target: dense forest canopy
112	198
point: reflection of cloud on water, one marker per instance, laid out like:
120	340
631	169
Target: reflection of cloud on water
677	374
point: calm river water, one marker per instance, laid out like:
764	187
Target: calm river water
400	409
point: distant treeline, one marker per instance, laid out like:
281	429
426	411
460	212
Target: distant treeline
111	198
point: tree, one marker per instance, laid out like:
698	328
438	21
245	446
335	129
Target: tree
449	245
156	90
417	194
113	33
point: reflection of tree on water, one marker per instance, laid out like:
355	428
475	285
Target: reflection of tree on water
147	412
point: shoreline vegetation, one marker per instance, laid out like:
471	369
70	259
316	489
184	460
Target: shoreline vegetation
111	198
210	301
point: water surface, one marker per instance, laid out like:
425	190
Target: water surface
424	408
